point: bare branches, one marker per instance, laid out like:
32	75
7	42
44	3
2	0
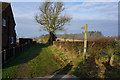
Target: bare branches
50	17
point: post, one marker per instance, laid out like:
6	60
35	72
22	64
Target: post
19	49
0	41
0	33
13	51
22	47
4	55
85	43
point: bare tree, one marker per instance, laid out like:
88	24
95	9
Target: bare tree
51	18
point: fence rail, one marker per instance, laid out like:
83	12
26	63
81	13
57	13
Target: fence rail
9	53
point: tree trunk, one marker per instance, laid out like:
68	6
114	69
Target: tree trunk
52	37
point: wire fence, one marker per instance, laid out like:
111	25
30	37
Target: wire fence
12	52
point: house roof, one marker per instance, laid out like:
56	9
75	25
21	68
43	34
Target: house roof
4	5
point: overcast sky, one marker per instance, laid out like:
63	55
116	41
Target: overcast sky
99	17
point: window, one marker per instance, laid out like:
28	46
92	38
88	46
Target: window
3	22
12	40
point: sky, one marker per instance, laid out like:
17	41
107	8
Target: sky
100	16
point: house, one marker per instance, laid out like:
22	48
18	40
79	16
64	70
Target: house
8	26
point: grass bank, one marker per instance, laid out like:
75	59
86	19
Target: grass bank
36	61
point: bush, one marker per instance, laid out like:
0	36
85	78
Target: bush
94	48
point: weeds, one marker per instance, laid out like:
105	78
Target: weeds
100	52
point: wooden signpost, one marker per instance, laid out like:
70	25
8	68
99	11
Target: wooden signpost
85	41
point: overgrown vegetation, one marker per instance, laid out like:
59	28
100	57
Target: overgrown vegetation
102	58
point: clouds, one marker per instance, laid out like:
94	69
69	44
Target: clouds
25	9
99	16
94	11
61	0
24	13
26	27
107	27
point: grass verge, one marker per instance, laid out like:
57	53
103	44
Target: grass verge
36	61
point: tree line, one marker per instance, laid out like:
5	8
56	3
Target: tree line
95	34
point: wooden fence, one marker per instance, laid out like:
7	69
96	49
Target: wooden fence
9	53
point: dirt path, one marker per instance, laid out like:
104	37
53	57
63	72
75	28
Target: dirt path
53	77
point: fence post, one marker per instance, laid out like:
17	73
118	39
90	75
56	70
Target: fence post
22	47
4	55
13	51
19	49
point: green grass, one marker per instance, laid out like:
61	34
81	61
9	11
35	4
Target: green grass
36	61
42	60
